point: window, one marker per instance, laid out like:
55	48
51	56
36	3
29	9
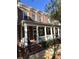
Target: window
56	31
24	16
48	31
52	31
39	17
41	31
33	15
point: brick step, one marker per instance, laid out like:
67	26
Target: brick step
35	48
36	51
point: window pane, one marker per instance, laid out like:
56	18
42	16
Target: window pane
24	16
33	16
56	32
39	18
48	31
41	31
52	31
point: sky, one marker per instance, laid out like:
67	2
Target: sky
37	4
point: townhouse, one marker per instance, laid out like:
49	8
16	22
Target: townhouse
35	26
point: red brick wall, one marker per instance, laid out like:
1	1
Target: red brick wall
44	18
30	13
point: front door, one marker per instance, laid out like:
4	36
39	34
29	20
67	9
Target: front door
31	32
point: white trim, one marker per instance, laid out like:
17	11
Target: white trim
45	33
58	32
54	32
25	39
51	32
37	34
38	25
36	15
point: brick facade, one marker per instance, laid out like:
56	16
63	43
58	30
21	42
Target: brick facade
30	13
43	17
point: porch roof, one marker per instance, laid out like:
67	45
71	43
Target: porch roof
32	22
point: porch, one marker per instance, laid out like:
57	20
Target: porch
36	32
32	33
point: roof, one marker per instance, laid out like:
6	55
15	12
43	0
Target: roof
25	6
37	23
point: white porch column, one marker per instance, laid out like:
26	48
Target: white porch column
51	32
54	32
45	33
58	32
37	34
25	38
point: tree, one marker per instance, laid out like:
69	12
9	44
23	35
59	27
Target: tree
54	9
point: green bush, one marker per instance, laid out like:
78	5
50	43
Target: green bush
47	44
44	44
